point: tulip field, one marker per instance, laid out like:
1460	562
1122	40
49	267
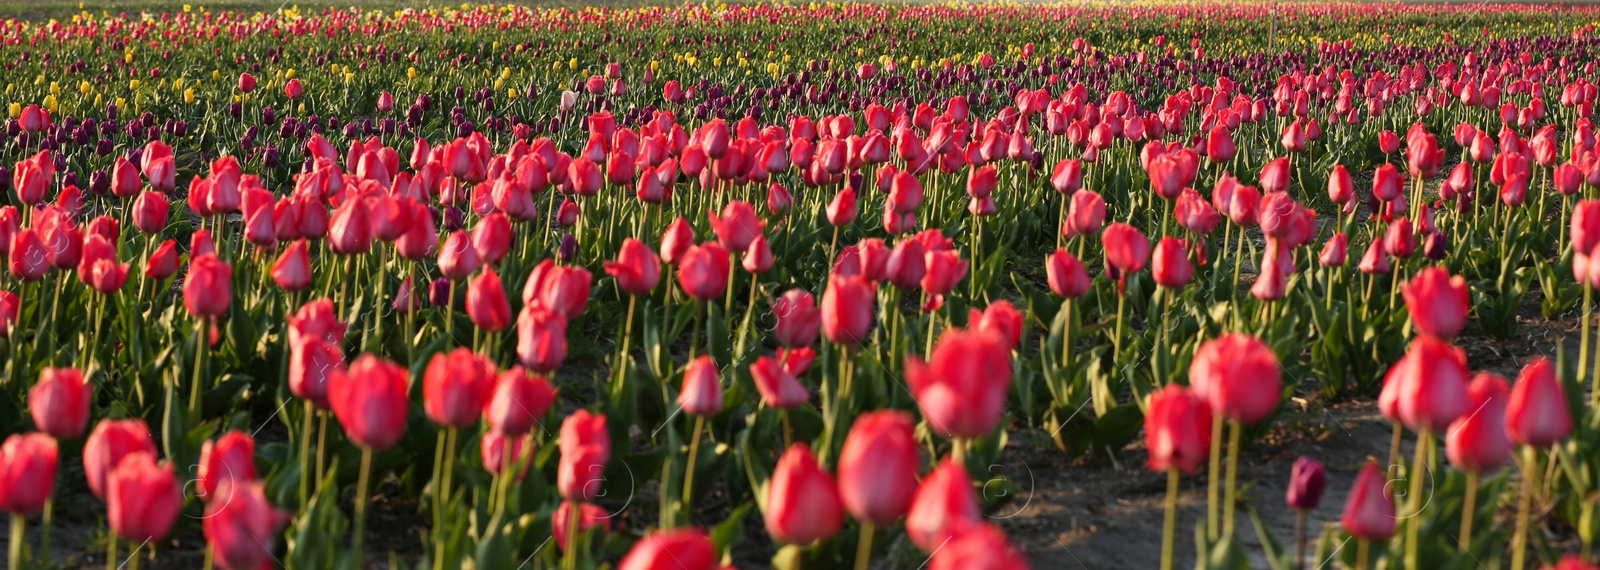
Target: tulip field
850	285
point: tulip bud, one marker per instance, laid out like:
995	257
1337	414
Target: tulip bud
1238	375
1307	480
802	499
702	392
1537	414
878	467
962	391
1369	510
142	499
456	386
677	549
585	450
370	401
27	472
517	401
943	507
59	403
1478	442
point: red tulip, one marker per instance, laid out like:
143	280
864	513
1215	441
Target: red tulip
802	499
242	529
1478	442
703	271
1368	510
207	290
562	289
541	338
1000	319
1238	375
842	210
907	264
293	89
456	386
758	257
1537	413
492	446
567	215
1386	183
486	302
1171	267
962	391
1374	261
458	258
1586	226
847	310
59	402
585	450
1429	385
292	270
702	391
677	240
385	101
1126	248
27	472
1307	480
1177	429
637	270
944	506
1067	178
108	444
27	259
1066	275
777	383
518	398
370	401
1335	250
351	232
1275	176
674	549
798	319
247	82
591	517
150	212
737	227
312	362
492	237
230	458
143	499
878	467
945	270
1438	302
1219	144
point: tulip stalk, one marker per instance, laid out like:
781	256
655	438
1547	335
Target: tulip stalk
688	470
864	546
574	528
1414	496
1469	510
1530	480
1169	527
111	552
1362	548
18	526
1583	340
361	503
201	345
1212	481
1230	496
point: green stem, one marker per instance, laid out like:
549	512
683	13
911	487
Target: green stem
111	550
1419	458
1230	493
1469	511
305	453
1530	475
322	440
574	525
361	503
864	546
1214	481
688	471
1361	553
18	525
201	345
1170	527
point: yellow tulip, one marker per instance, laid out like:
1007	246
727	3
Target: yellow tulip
51	103
120	103
188	96
16	110
411	73
133	84
55	89
290	74
573	64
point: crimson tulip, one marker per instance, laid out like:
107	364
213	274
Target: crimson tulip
847	310
1177	429
878	467
241	530
944	506
702	391
1368	510
456	386
637	269
674	549
1126	247
142	498
1537	414
516	401
1238	375
962	390
541	338
1438	302
59	402
585	450
370	401
27	472
1477	442
486	302
208	290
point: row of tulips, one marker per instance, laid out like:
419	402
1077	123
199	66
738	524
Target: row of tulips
894	329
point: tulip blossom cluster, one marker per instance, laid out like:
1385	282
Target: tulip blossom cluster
640	276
